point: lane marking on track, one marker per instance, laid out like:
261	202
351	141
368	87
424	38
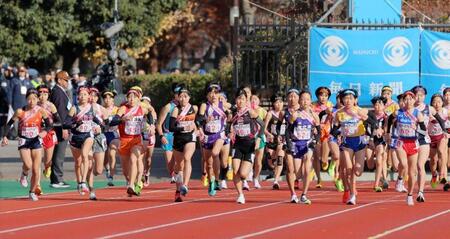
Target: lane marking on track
107	214
194	219
73	203
409	224
312	219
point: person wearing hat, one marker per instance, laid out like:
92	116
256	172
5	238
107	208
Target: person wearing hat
162	127
112	136
31	132
63	104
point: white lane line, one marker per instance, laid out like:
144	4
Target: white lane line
196	219
72	203
409	224
309	220
16	229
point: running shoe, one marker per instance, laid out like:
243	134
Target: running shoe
325	166
217	185
245	185
138	188
276	186
84	188
443	180
92	196
47	172
256	183
305	200
434	181
331	168
110	181
23	180
339	185
212	188
241	199
147	179
410	200
319	185
130	191
345	196
38	190
420	197
172	180
446	187
378	189
184	190
385	184
205	180
178	197
352	200
223	184
400	187
33	196
294	199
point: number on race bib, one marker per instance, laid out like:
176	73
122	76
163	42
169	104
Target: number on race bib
242	130
302	133
29	132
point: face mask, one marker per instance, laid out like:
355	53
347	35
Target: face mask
22	78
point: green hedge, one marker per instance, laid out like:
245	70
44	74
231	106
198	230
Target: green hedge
158	86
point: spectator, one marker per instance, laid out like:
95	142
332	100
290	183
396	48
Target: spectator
77	81
35	78
4	104
50	79
63	104
18	89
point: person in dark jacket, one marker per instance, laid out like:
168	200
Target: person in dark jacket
63	104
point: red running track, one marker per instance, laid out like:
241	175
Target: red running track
267	214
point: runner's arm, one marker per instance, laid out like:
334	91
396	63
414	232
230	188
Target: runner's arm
161	119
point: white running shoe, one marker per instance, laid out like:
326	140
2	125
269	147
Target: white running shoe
33	197
256	183
352	200
294	199
84	189
420	197
241	199
23	180
92	196
400	187
304	199
410	200
223	184
245	185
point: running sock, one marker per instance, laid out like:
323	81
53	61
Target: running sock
223	172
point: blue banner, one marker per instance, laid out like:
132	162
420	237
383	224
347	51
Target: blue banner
386	11
435	62
364	60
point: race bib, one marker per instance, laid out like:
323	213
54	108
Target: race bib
302	133
213	126
23	90
21	142
406	130
29	132
242	130
447	124
133	128
85	127
349	129
435	129
184	124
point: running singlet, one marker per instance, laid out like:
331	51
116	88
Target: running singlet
274	122
243	125
133	127
391	108
407	124
434	128
30	122
351	123
303	126
165	125
84	119
215	119
185	118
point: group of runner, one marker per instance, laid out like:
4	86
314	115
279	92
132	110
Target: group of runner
297	135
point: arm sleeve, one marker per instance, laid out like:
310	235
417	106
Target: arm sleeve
68	122
173	125
390	122
372	120
200	120
335	131
48	125
113	121
9	126
261	124
289	128
56	120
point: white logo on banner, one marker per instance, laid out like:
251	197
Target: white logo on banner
440	54
397	51
333	51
